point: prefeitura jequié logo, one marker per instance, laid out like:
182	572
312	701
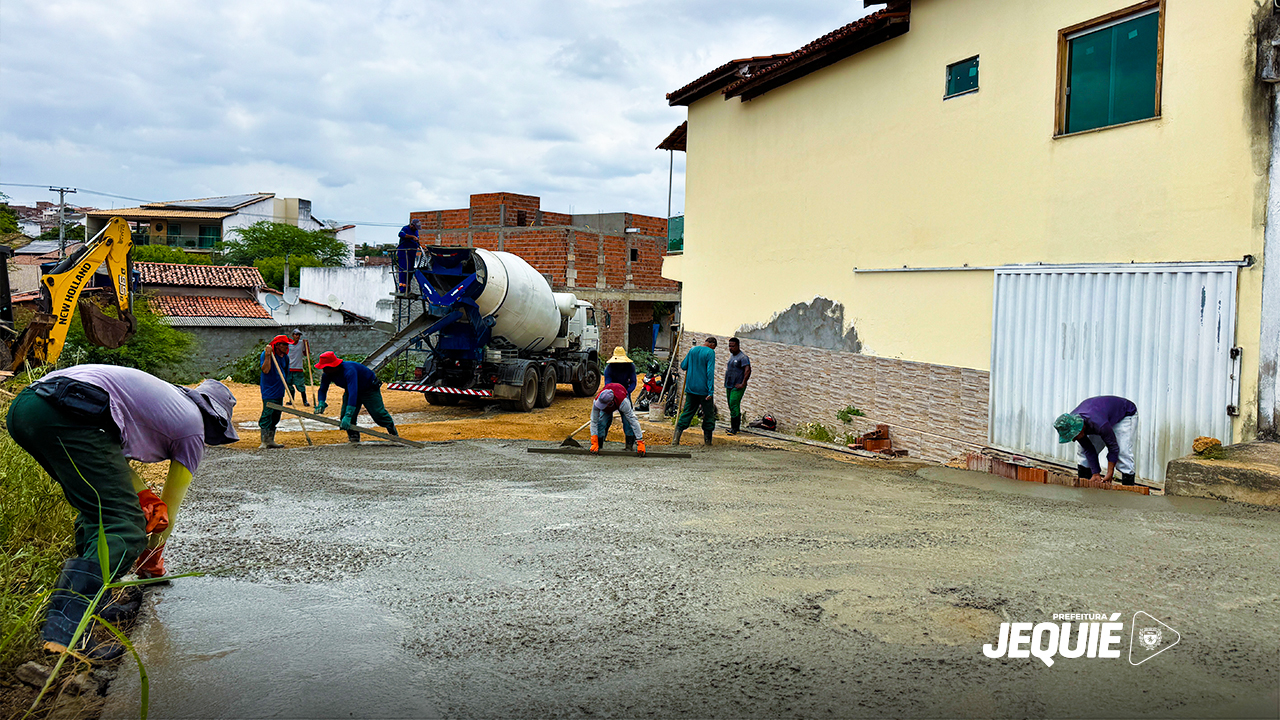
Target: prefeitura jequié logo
1084	635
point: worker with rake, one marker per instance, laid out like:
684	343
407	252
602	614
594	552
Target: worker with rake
83	425
360	387
613	398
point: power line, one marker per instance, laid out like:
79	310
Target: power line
83	190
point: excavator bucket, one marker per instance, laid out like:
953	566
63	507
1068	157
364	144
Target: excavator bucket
102	329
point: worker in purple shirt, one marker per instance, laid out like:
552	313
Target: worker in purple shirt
407	255
83	425
360	387
1105	421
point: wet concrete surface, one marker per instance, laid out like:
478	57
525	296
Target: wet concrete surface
473	579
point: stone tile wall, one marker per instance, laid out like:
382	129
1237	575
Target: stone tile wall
937	412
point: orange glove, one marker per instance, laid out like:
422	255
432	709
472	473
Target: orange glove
640	448
154	510
150	563
595	443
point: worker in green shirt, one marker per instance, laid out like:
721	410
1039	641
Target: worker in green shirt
699	367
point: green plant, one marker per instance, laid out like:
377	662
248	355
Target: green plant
267	239
166	254
849	413
821	433
643	359
155	348
272	269
247	368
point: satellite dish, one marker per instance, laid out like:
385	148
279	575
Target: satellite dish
334	302
291	295
272	302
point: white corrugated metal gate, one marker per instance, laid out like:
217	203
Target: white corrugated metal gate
1160	335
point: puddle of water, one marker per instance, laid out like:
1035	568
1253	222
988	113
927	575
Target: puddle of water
295	651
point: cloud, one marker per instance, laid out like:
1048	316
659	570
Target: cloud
371	110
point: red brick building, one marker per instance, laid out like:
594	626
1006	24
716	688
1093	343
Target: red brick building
612	260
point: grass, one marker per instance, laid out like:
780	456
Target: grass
36	535
821	433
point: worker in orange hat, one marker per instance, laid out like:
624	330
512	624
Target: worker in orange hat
274	364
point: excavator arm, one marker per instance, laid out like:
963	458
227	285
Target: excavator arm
44	338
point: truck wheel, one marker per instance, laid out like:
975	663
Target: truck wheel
442	398
528	392
547	389
590	380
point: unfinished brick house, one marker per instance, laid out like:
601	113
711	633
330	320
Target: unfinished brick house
612	260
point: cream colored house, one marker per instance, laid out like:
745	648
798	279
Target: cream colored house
965	216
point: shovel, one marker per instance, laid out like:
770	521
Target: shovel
569	441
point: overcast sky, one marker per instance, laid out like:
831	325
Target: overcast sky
369	109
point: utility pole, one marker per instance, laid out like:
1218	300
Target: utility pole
62	227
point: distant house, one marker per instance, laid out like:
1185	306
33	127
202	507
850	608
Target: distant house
205	295
198	225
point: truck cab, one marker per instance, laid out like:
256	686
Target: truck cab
583	333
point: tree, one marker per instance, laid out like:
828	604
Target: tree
166	254
155	347
272	269
267	240
74	233
8	217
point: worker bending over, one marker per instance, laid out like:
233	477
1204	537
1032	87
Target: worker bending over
1105	421
83	425
360	387
620	369
614	398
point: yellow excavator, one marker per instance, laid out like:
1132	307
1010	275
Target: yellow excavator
60	289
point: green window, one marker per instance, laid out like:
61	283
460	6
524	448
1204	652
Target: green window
1111	74
174	237
209	235
962	77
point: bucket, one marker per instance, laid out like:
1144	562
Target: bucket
655	413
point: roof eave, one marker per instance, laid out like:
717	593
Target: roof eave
702	89
891	26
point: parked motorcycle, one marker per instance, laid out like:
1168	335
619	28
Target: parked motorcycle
651	390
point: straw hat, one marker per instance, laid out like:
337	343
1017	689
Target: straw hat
619	356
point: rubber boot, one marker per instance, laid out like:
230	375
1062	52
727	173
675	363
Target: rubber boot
353	437
263	434
734	425
271	439
675	436
80	580
631	444
1127	478
124	606
706	436
304	399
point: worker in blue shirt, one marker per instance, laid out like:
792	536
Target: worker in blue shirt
407	255
360	387
1109	422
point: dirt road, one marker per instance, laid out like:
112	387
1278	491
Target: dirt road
472	579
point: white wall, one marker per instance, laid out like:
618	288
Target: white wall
300	314
359	288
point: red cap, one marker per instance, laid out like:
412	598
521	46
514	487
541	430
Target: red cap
328	360
280	339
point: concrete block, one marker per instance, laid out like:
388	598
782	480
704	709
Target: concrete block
1249	473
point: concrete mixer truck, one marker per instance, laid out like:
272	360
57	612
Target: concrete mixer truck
491	327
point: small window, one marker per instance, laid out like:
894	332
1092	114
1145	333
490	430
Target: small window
1111	71
591	317
635	255
522	218
962	77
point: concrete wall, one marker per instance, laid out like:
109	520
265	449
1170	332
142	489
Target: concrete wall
217	347
359	288
863	165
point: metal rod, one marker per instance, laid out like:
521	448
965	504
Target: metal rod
330	421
